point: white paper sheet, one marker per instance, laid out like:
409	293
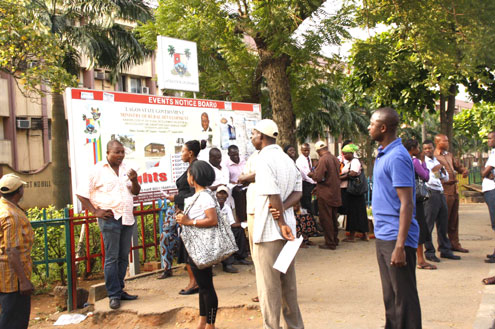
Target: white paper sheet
287	254
66	319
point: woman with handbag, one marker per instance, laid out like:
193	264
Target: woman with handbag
189	154
354	205
421	173
200	211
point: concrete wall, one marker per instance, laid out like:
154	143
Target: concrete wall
39	189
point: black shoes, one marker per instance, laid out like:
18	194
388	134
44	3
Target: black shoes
242	262
230	269
126	296
450	256
432	258
165	275
114	303
191	291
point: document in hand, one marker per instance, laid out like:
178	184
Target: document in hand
287	254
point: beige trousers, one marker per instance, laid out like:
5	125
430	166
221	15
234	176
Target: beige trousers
276	291
250	222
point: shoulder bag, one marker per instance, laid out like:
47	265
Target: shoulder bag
357	185
422	192
208	245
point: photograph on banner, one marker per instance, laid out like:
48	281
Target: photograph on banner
152	135
236	129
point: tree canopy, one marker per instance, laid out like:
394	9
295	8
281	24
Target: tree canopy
246	45
29	52
451	40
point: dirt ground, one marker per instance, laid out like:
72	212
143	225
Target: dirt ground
336	289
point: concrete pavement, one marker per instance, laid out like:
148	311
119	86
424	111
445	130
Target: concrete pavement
338	289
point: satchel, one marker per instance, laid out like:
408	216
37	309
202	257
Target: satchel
208	246
357	185
422	192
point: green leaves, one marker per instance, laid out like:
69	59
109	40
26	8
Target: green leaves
29	52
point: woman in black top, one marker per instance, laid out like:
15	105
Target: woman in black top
190	151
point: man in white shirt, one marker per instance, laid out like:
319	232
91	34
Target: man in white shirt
488	186
235	165
436	206
221	171
278	186
108	195
305	166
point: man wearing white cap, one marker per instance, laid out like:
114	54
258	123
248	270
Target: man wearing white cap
16	242
328	193
278	186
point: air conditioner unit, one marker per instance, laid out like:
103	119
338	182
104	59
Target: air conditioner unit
99	75
23	123
145	90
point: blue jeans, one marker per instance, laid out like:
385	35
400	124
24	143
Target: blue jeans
490	202
15	310
117	240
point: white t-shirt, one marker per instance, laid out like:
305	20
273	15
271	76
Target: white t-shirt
489	184
353	165
204	202
228	213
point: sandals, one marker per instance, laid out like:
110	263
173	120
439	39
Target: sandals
490	260
490	280
426	266
255	299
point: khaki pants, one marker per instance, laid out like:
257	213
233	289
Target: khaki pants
276	291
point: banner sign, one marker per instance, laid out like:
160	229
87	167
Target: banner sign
177	64
153	130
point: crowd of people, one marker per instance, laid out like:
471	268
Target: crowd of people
277	196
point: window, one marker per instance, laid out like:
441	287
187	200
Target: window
135	85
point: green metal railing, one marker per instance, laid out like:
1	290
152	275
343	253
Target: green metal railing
65	222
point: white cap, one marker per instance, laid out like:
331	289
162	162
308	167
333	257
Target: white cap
319	145
223	188
10	183
267	127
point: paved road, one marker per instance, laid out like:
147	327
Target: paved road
341	289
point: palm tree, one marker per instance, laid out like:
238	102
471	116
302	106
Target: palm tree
187	52
171	50
333	116
90	29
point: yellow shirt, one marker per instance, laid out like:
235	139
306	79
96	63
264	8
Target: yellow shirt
15	232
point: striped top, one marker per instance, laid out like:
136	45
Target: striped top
15	232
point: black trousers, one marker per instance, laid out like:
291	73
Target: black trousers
16	309
307	188
436	213
239	196
242	245
208	300
400	295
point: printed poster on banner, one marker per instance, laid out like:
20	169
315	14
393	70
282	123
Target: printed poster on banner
177	64
153	130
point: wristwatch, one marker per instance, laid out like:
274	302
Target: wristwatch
194	222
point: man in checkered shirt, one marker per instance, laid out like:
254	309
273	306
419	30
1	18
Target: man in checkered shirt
278	187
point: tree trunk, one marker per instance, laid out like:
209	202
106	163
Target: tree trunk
60	159
447	114
275	72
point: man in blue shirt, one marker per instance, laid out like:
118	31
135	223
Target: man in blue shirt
396	229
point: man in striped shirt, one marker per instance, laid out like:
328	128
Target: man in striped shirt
16	241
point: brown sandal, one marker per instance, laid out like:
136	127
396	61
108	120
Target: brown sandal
490	280
427	266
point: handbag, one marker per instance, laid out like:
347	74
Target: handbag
208	246
358	185
422	192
